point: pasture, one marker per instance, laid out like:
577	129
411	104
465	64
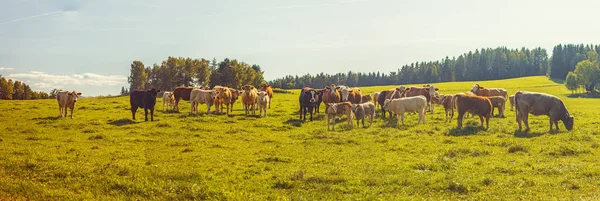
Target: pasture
103	154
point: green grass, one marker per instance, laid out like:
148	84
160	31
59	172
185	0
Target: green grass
102	154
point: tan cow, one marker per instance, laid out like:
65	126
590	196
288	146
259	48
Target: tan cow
169	100
263	102
267	88
334	110
409	104
223	98
354	95
541	104
200	96
498	102
477	105
511	99
446	102
487	92
249	99
235	94
376	98
66	100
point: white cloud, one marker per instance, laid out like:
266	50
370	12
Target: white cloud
30	17
3	68
44	81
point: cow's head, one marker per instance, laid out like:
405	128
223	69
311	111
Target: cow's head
263	87
262	96
568	121
475	88
73	96
234	94
213	94
332	89
313	95
345	93
153	92
432	90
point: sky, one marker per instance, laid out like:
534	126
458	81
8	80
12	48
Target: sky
88	46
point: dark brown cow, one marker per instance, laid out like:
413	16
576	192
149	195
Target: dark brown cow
541	104
182	93
318	105
387	95
143	99
308	100
477	105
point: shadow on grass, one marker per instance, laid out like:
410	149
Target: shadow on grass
528	134
46	118
590	95
467	130
294	122
121	122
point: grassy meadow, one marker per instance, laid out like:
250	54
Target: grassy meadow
103	155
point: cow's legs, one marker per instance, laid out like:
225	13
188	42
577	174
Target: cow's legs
556	123
401	117
146	114
519	119
60	110
71	111
152	114
133	110
487	122
481	119
526	121
460	118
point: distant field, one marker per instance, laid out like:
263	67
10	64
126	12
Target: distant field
103	154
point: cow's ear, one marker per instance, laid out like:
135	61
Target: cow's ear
79	94
268	85
481	88
157	91
70	93
436	89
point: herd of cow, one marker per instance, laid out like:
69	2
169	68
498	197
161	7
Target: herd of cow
350	102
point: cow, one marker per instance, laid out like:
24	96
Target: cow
362	110
308	99
446	102
181	93
487	92
387	95
249	99
67	99
366	98
235	94
331	95
334	110
143	99
319	101
511	99
498	102
169	100
428	92
267	88
541	104
376	98
354	95
263	102
408	104
477	105
200	96
223	97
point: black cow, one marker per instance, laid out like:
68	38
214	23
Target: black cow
319	101
308	99
143	99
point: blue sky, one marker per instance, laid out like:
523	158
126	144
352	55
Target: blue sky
88	45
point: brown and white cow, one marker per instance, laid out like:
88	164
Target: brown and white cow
511	99
541	104
388	95
67	99
308	99
334	110
477	105
487	92
200	96
169	100
267	88
354	95
428	92
399	106
331	95
249	99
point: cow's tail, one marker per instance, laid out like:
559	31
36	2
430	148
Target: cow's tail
454	103
517	104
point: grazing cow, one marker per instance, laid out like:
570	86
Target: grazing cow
143	99
267	88
308	99
181	93
249	99
541	104
331	95
477	105
334	110
487	92
362	110
366	98
387	95
498	102
235	94
511	99
263	102
376	98
223	97
66	100
318	105
410	104
428	92
446	102
354	95
169	100
200	96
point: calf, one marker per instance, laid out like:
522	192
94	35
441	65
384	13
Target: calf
541	104
334	110
66	100
249	98
235	94
267	88
143	99
308	99
366	98
362	110
223	97
446	102
511	99
376	99
318	104
410	104
263	102
498	102
353	95
169	100
476	105
387	95
200	96
181	93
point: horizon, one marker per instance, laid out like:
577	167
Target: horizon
88	46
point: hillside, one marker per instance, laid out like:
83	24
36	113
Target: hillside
103	154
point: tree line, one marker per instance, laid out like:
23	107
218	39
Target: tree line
188	72
578	65
17	90
482	64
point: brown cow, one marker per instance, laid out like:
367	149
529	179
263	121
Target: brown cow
498	102
366	98
267	88
477	105
511	99
330	95
539	104
334	110
354	95
376	99
487	92
387	95
446	102
428	92
249	99
235	94
223	98
181	93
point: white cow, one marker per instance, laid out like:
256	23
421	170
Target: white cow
263	102
168	99
66	99
410	104
201	96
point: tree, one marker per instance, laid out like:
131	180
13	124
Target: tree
203	71
138	76
18	90
571	81
588	74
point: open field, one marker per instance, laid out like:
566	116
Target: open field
103	154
